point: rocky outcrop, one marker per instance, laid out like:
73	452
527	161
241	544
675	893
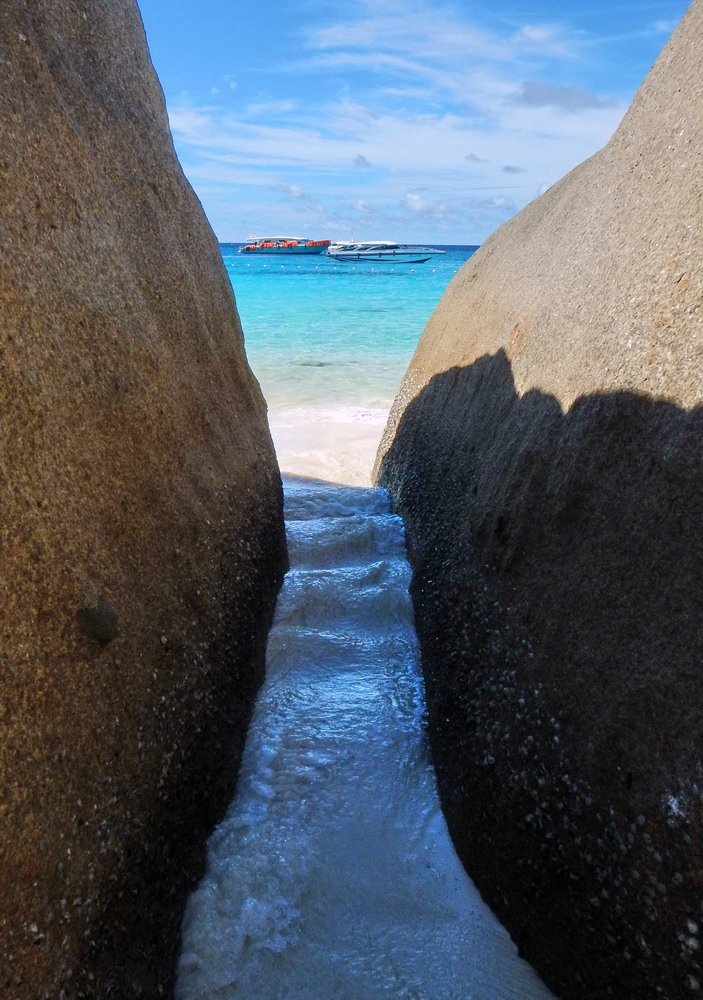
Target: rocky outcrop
545	452
141	532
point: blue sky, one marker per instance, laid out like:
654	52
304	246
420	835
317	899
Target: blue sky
415	120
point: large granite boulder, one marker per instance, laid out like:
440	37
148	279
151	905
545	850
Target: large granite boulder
546	452
141	529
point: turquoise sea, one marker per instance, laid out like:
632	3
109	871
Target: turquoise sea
329	344
318	332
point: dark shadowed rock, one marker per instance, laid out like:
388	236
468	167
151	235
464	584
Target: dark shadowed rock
99	623
141	530
546	453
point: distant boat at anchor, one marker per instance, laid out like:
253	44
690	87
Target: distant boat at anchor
381	252
285	244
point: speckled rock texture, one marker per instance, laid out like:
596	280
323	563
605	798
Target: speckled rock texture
546	453
141	532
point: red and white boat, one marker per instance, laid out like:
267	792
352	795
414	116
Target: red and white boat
285	244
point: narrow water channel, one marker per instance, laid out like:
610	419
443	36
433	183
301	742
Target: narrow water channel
333	875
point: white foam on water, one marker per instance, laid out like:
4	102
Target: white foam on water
333	875
294	416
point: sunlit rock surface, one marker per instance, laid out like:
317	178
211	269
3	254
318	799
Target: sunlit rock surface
141	530
545	452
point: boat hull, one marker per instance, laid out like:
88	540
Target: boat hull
385	257
277	251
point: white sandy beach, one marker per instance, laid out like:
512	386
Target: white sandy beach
336	444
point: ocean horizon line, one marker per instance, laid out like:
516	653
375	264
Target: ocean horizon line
443	246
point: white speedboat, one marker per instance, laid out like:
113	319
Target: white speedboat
381	252
285	244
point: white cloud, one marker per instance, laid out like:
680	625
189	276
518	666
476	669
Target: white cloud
404	142
663	27
309	159
424	30
433	53
536	94
545	39
273	109
442	109
293	190
417	204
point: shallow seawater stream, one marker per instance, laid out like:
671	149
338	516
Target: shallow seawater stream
333	875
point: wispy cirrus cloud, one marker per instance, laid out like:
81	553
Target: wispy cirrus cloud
423	30
434	53
346	132
546	40
409	113
430	31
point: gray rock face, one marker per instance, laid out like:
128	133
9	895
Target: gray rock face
545	452
141	531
